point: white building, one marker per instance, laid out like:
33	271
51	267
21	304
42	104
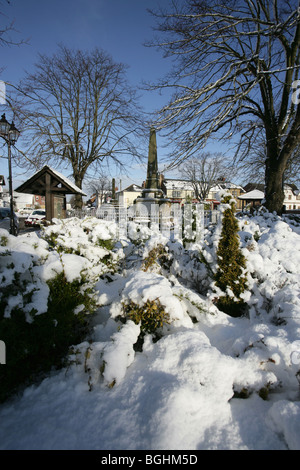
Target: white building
291	197
177	189
127	196
21	200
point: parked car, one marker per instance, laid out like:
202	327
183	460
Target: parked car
37	217
5	219
25	211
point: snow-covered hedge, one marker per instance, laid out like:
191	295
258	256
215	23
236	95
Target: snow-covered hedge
47	292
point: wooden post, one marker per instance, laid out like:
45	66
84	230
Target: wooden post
48	198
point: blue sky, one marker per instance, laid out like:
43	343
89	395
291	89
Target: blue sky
120	27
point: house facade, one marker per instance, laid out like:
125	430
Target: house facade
178	190
291	197
126	197
21	201
234	189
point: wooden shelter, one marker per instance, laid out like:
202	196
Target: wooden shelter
253	197
53	186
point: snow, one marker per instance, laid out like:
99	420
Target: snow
255	194
182	392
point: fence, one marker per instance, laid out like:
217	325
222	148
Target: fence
174	221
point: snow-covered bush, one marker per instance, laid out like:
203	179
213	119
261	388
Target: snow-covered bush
87	238
138	233
47	293
270	245
118	354
156	258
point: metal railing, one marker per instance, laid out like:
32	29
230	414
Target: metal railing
172	220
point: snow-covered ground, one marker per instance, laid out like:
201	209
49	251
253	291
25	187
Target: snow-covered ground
183	392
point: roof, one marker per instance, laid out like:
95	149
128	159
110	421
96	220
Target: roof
170	183
292	187
133	188
255	194
251	186
60	183
226	185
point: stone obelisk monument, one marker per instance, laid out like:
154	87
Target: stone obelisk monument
152	198
152	190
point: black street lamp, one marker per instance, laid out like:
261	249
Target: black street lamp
10	134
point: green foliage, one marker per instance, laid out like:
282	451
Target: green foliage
230	274
245	392
33	348
256	236
3	240
107	244
157	256
61	246
51	238
151	316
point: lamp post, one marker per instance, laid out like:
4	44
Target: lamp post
10	134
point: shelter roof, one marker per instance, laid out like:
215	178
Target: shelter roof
253	195
36	184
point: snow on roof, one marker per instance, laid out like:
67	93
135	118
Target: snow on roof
255	194
63	178
132	188
188	185
220	186
66	180
178	184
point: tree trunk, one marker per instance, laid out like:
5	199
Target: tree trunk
78	197
274	180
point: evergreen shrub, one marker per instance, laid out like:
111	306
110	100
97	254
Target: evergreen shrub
34	348
157	256
151	316
230	276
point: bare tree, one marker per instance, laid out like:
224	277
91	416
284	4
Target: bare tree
252	169
7	29
78	111
204	172
7	38
102	186
235	74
